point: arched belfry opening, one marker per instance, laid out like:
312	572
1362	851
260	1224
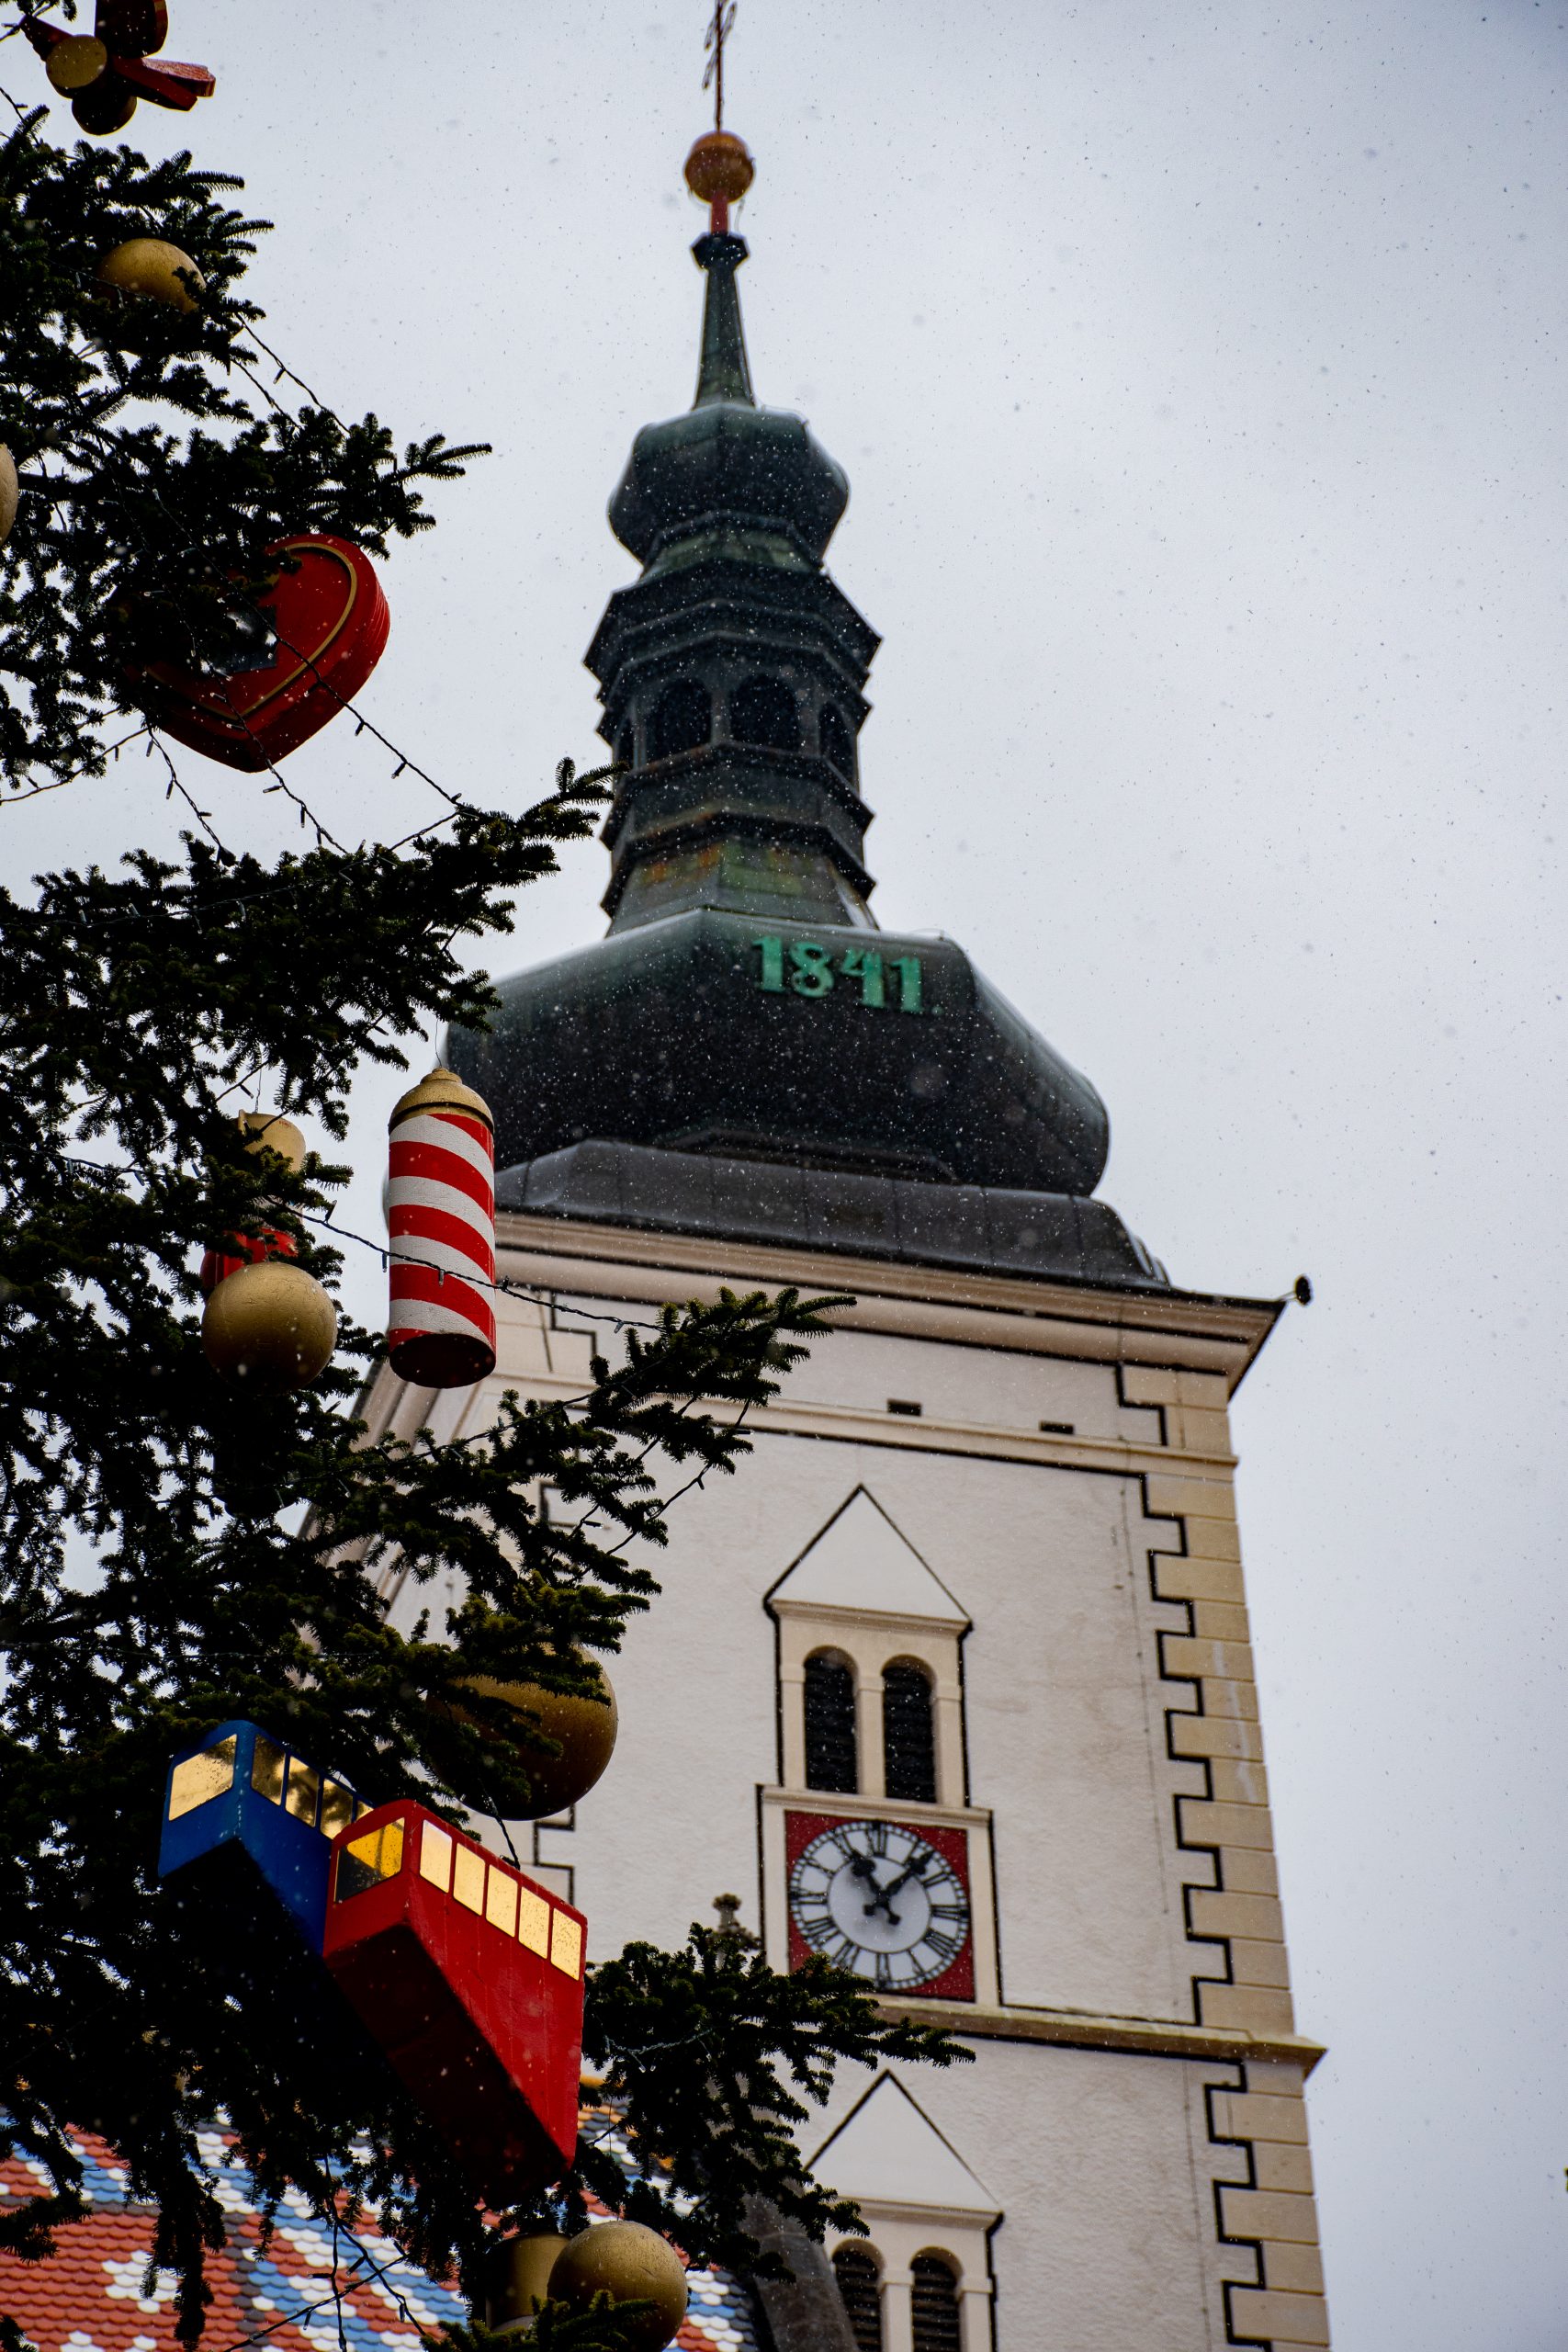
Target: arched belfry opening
764	712
838	743
679	720
832	1747
909	1731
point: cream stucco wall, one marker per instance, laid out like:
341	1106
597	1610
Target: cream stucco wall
1067	1478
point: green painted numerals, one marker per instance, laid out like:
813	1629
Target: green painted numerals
863	963
908	971
807	969
810	968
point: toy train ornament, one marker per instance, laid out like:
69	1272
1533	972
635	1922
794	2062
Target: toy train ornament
246	1817
469	1977
465	1972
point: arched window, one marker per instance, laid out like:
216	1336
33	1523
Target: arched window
860	2287
763	711
682	718
832	1756
833	734
909	1734
934	2304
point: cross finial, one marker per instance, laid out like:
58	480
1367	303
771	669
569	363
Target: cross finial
719	28
718	169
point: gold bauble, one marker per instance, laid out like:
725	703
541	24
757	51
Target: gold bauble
271	1326
10	491
634	2266
585	1727
264	1130
719	169
517	2276
441	1090
76	63
147	265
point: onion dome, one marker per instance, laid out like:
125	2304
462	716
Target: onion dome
727	461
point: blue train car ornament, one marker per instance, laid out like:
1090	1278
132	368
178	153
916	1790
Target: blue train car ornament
243	1797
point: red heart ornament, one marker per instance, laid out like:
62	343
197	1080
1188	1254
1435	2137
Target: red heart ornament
332	622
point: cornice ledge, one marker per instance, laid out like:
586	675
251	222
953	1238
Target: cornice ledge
1037	1312
848	1613
899	2208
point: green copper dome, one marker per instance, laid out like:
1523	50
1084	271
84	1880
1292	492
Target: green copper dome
726	466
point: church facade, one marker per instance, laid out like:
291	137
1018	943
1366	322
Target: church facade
953	1680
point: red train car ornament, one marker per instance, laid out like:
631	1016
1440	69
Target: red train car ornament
470	1975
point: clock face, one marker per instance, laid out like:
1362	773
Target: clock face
885	1901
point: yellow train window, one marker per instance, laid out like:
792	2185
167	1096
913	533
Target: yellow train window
201	1778
435	1856
304	1790
364	1861
566	1944
337	1807
468	1879
501	1900
267	1767
533	1921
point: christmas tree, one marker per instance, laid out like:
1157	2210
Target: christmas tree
230	1536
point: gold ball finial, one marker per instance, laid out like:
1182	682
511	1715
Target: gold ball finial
720	168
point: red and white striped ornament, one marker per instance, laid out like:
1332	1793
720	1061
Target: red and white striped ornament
441	1218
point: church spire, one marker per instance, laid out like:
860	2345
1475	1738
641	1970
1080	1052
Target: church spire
719	170
723	373
732	671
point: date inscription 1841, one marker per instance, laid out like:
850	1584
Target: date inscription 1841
887	983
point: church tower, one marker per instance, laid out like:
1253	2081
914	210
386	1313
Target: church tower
952	1680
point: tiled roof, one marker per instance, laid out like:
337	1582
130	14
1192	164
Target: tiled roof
281	2295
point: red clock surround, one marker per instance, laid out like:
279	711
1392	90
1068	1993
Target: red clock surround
956	1982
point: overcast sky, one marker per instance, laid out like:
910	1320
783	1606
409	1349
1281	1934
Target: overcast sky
1199	376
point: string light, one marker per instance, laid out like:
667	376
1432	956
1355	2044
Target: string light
535	1292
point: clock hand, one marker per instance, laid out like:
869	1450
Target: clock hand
863	1867
885	1894
883	1900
